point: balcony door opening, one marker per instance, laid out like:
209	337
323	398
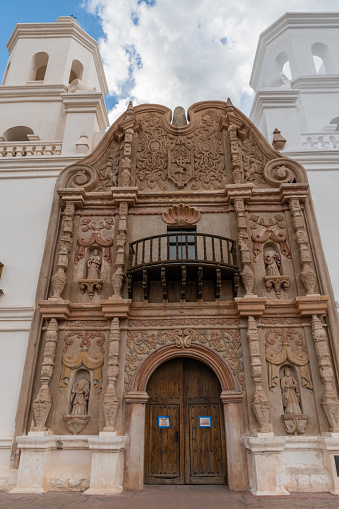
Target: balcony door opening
185	433
182	242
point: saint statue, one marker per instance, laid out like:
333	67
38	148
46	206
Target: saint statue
290	393
93	265
79	397
272	263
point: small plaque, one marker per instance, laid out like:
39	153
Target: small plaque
164	421
205	421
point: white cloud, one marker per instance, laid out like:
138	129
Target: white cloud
181	52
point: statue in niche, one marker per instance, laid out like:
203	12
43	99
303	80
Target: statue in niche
272	263
94	265
290	393
79	397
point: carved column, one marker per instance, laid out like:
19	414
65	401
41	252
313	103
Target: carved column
247	274
43	401
118	275
307	275
330	400
128	127
260	403
110	399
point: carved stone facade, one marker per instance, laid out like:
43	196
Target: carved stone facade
152	231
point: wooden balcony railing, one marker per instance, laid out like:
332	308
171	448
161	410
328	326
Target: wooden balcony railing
178	248
182	256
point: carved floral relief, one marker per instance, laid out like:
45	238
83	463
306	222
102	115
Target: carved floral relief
226	343
196	159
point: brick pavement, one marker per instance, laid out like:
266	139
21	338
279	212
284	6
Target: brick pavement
169	497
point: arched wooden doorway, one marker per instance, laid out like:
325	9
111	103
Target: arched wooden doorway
185	434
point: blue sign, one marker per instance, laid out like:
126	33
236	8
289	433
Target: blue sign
205	421
164	421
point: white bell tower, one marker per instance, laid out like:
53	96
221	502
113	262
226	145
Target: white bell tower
53	90
295	78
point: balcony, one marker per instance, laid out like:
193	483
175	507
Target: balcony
30	148
182	260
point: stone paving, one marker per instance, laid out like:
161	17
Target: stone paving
169	497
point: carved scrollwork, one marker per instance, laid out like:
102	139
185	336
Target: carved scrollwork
83	176
283	170
227	343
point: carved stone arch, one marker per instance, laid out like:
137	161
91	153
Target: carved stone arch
197	352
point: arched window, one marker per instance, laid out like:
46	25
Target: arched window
322	58
38	67
17	133
77	70
283	64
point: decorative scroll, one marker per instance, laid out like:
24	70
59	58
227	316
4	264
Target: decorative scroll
279	237
83	358
286	345
226	343
94	239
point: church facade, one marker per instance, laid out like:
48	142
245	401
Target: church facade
184	327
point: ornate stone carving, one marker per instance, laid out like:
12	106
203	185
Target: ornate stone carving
307	275
59	278
43	400
281	321
260	403
83	176
106	223
87	351
118	276
226	343
286	344
95	239
108	167
181	215
86	324
247	274
78	417
278	283
253	162
282	170
180	164
267	233
330	400
110	403
293	419
197	159
90	286
183	322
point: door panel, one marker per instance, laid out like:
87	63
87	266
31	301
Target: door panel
184	389
164	446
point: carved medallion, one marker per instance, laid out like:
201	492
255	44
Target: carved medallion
180	164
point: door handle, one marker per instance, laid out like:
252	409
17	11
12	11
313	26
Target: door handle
176	436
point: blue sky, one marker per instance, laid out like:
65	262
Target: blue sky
166	51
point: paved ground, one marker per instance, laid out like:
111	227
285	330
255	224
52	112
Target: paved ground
169	497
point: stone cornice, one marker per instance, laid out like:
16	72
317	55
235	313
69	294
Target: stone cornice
87	102
290	20
316	82
64	27
32	93
34	167
272	98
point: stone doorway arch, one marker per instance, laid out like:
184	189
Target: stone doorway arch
232	400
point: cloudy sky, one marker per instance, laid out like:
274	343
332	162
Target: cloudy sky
173	52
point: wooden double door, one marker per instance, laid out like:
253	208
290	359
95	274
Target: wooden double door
185	435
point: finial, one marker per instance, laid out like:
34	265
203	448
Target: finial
179	117
229	106
279	141
130	108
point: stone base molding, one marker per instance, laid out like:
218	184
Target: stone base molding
107	463
103	474
277	468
